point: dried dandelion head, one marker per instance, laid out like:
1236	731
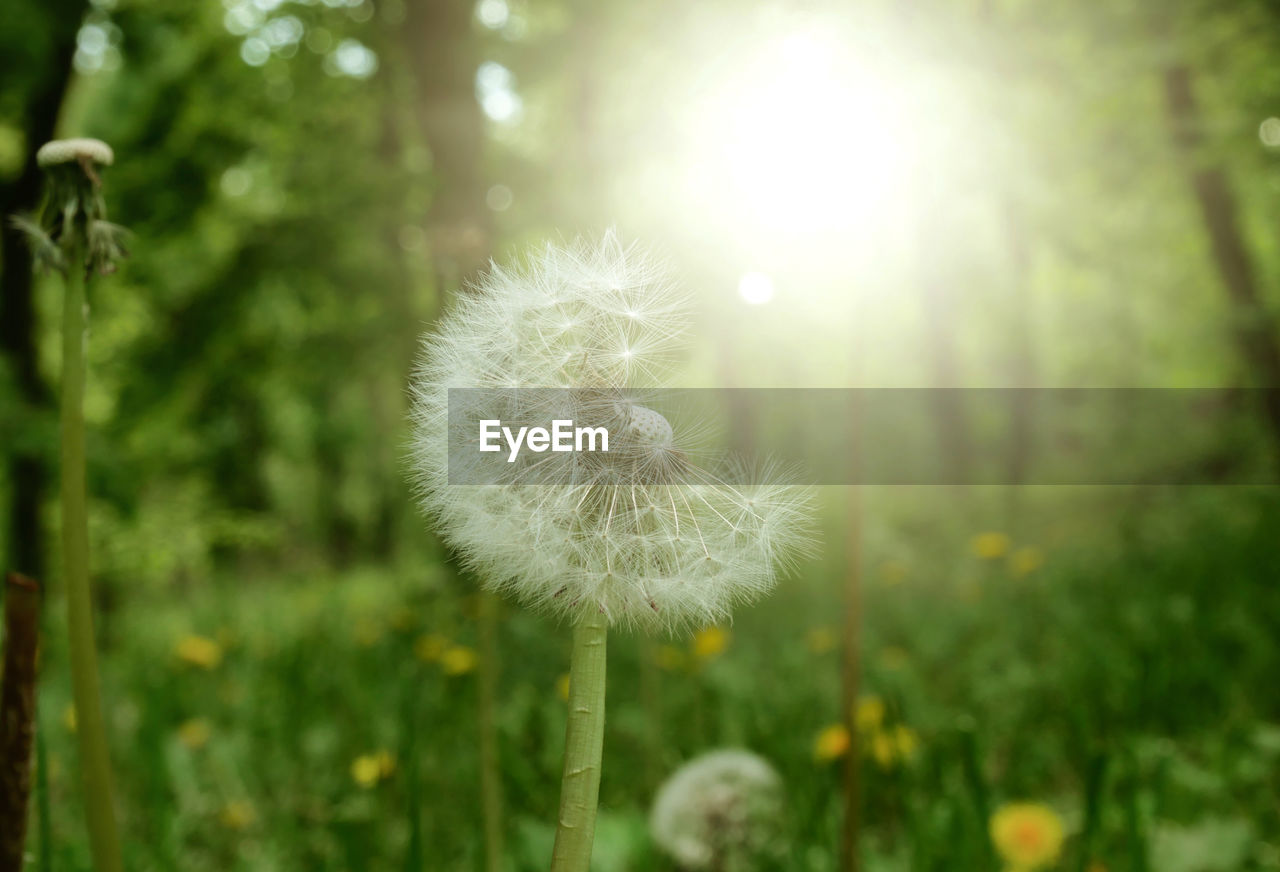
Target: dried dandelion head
71	228
638	534
62	151
721	810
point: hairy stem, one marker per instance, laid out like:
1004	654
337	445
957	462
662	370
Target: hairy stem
583	744
104	842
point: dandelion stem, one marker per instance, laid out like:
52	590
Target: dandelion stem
95	765
583	745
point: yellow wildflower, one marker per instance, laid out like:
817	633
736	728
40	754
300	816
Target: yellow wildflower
199	651
820	640
194	733
892	746
831	743
868	714
457	660
237	815
670	657
562	687
429	646
892	657
1025	561
990	546
69	718
893	572
369	769
367	632
709	643
1027	835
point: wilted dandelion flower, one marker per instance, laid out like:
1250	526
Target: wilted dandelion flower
1028	835
722	810
646	539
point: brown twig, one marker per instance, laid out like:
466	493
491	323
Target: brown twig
17	714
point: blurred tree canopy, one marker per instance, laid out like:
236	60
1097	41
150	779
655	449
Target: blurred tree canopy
1092	203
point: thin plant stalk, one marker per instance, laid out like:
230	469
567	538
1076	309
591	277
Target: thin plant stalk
490	782
17	715
583	746
104	841
850	683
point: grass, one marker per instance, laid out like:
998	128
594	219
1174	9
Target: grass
1128	683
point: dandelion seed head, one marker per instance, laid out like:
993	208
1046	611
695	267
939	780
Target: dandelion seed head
638	534
61	151
722	807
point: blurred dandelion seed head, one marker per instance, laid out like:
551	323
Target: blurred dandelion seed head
623	541
720	808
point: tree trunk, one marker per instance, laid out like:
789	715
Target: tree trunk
27	466
1220	214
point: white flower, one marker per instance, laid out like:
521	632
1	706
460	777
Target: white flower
721	810
641	535
61	151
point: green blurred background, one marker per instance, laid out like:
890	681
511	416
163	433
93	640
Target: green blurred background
941	193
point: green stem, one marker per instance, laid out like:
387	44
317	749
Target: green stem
583	744
104	842
490	781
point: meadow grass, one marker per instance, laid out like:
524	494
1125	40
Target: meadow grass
1123	676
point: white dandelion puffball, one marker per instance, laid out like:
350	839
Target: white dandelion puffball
721	810
636	533
61	151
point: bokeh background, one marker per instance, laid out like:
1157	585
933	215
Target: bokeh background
940	193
